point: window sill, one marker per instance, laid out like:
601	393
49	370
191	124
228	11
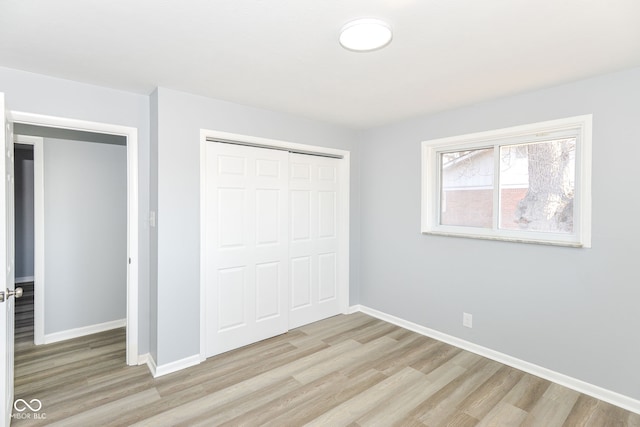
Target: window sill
506	239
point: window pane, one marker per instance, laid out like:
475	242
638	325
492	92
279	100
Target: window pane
466	195
537	183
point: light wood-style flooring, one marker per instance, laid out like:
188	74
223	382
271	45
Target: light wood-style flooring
344	371
24	314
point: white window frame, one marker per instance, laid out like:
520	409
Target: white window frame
578	126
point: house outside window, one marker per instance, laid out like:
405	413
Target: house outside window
527	183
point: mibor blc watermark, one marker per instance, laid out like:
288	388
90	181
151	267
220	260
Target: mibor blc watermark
28	410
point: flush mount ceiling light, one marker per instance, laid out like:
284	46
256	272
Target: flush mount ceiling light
363	35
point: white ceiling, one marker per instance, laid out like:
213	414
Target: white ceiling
284	55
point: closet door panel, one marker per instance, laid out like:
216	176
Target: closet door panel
246	245
313	192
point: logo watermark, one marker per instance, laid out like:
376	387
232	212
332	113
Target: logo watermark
34	406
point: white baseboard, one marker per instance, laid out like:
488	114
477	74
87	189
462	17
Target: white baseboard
168	368
609	396
25	279
143	359
354	309
151	364
85	330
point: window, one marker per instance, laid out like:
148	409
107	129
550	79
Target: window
528	183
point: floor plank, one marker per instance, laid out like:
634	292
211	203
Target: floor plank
350	370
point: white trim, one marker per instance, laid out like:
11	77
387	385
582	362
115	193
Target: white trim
151	364
343	233
168	368
25	279
133	220
38	233
85	330
204	133
133	254
203	246
579	127
354	309
609	396
584	171
345	173
143	359
38	248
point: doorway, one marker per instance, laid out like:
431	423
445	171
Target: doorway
24	241
130	259
81	235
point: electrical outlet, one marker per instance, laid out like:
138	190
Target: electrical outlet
467	320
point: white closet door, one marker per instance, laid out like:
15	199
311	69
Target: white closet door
313	239
246	247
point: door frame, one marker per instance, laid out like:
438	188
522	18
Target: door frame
38	233
343	214
133	219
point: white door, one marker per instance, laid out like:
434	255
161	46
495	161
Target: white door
7	225
246	251
313	245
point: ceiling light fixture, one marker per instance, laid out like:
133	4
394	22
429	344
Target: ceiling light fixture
364	35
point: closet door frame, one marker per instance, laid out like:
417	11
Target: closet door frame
343	214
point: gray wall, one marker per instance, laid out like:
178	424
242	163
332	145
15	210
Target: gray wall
24	212
34	93
180	117
574	311
570	310
85	225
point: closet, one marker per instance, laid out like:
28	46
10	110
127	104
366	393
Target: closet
272	252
